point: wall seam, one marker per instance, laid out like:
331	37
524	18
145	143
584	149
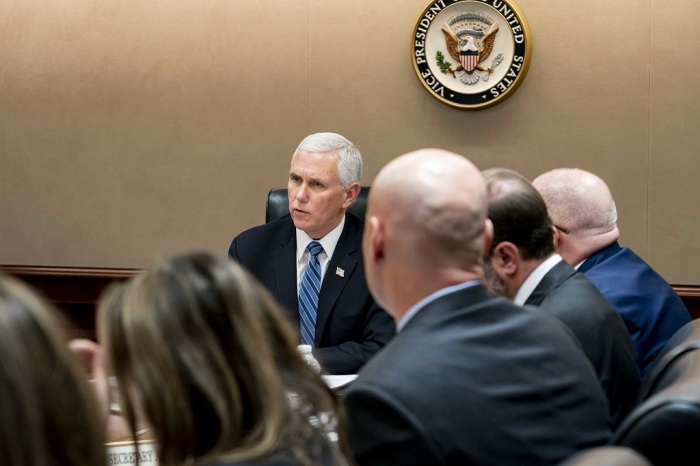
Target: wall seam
649	113
308	67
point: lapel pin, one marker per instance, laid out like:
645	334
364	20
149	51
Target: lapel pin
339	272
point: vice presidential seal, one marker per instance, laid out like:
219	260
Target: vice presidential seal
471	54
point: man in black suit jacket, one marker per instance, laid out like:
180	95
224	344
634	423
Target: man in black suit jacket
523	266
468	379
324	179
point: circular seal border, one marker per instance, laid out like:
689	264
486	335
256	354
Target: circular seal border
501	90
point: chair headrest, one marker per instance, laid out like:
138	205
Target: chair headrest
278	204
666	368
666	426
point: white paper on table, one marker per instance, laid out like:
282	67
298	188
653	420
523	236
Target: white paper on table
338	381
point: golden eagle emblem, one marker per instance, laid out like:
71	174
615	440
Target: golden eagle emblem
463	48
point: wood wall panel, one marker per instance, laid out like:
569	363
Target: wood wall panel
75	291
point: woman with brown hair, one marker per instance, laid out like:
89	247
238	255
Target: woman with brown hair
48	412
205	358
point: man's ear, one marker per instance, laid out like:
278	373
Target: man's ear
556	238
506	259
351	194
488	236
375	237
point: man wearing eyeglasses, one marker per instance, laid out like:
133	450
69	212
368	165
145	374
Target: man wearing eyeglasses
523	266
582	208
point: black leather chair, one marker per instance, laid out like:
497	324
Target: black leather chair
672	362
278	204
608	455
665	427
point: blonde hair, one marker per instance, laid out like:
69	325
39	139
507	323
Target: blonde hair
48	412
202	350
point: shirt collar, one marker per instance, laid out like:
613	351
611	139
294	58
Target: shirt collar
535	278
328	242
413	310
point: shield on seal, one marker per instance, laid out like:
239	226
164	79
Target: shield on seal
469	59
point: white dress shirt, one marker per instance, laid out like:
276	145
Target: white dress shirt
534	279
413	310
329	242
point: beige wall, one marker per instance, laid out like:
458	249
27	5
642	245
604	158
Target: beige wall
130	130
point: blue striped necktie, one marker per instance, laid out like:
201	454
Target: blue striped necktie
308	295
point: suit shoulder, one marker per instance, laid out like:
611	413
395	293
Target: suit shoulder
262	236
581	285
577	301
354	222
627	274
280	226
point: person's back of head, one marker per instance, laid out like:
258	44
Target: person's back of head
578	200
582	208
49	414
518	213
203	353
426	227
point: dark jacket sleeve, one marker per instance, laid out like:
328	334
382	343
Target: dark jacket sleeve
349	356
382	431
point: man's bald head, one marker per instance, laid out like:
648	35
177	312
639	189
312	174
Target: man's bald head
437	197
426	218
582	208
577	200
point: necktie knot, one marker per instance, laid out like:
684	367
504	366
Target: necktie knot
315	248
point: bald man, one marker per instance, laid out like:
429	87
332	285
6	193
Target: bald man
468	379
583	210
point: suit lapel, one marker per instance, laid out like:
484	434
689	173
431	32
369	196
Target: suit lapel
286	274
551	280
339	271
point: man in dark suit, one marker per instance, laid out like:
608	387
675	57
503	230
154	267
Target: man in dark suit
468	379
523	266
582	208
346	327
